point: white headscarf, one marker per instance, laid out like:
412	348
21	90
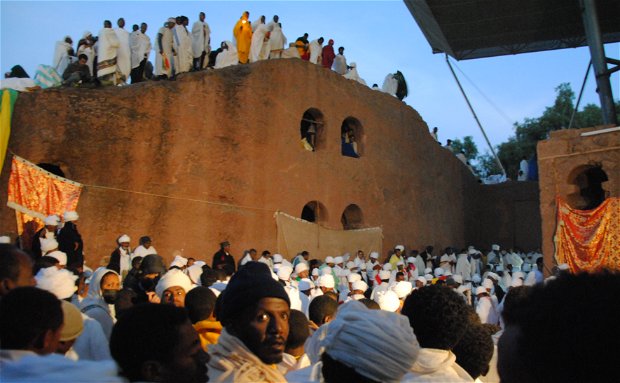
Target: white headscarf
60	282
173	277
390	347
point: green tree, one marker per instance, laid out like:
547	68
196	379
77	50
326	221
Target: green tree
468	146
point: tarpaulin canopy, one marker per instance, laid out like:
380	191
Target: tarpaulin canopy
485	28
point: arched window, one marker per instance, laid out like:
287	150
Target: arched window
352	137
589	181
314	211
52	168
352	218
311	129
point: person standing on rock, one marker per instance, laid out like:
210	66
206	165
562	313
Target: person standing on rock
182	41
107	54
243	36
164	50
123	52
340	62
201	40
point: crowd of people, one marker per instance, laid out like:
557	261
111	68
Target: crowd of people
457	315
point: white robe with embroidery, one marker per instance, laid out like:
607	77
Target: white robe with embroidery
123	52
108	44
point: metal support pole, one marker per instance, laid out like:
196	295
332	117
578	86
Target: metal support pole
499	163
583	85
593	36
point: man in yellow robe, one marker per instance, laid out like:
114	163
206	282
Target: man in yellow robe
243	35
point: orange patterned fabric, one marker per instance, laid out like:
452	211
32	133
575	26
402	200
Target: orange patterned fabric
588	240
35	193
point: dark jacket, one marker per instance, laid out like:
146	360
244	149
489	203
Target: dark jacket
226	261
67	240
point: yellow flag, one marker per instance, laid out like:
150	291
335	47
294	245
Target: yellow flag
8	99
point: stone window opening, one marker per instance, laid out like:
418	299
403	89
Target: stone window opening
352	218
589	180
52	168
351	137
314	211
311	129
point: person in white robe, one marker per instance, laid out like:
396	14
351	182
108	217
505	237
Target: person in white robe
140	45
523	170
291	52
259	48
62	57
353	75
340	62
486	308
228	57
164	49
108	44
256	23
316	49
463	266
182	43
123	52
390	85
277	39
201	42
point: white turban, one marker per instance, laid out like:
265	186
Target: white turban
390	347
351	265
86	34
315	272
374	254
359	285
410	260
421	279
178	261
493	275
338	260
48	244
71	216
429	277
428	270
354	277
301	267
400	247
60	282
476	278
387	300
194	272
495	247
363	266
124	238
481	290
51	220
472	251
284	272
384	274
329	259
402	289
277	258
439	272
326	270
60	256
458	278
518	274
487	283
387	267
327	281
516	282
5	239
173	278
461	289
305	284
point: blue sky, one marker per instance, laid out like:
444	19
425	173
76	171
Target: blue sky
380	36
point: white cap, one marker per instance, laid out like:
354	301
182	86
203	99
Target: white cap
305	284
402	289
495	247
374	254
326	270
327	281
51	220
315	272
387	267
354	277
384	274
124	239
481	290
60	256
439	272
277	258
387	300
71	216
338	260
458	278
302	266
429	277
399	247
476	278
494	276
173	278
472	251
421	279
284	272
329	259
5	239
410	260
48	244
359	285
